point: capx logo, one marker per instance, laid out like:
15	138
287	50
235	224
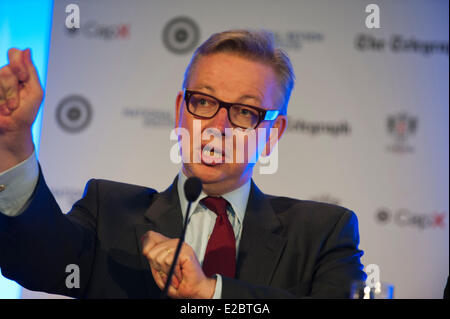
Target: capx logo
95	30
405	218
401	127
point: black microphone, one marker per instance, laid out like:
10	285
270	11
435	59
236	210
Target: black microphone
192	190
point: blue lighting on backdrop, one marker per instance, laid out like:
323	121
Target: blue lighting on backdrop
25	24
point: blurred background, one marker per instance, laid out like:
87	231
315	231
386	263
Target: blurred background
368	118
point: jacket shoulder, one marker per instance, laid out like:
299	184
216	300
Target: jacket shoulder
102	190
111	186
315	222
293	210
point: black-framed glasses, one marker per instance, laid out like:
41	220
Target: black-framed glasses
244	116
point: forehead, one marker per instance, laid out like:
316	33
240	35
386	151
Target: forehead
231	77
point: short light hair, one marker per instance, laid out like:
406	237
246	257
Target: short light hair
254	45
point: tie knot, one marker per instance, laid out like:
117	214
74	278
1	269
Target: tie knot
216	204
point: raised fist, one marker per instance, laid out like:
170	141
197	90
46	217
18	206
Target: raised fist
20	92
21	95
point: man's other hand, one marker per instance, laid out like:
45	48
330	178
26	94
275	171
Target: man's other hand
188	281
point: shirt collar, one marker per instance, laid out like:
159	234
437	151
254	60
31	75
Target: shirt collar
237	198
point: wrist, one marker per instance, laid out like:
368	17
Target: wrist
208	288
15	148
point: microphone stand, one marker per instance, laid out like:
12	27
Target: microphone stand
177	252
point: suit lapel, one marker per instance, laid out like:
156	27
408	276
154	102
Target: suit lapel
165	213
163	216
261	245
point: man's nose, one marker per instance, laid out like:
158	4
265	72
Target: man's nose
220	121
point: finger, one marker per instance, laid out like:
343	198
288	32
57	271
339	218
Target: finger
161	278
157	237
2	97
33	80
4	109
172	292
178	273
162	256
150	240
166	257
189	263
163	253
17	64
157	277
147	245
153	243
166	263
156	257
168	260
10	88
173	283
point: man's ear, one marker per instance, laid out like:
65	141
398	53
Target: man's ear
276	133
178	104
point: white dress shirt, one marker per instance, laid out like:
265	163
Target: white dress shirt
17	184
201	221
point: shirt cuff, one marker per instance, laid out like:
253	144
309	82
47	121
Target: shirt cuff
218	291
17	184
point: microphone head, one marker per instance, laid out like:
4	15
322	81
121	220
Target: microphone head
192	188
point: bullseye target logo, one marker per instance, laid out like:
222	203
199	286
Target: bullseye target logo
74	113
181	35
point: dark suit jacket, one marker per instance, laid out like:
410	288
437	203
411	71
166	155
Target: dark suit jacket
289	248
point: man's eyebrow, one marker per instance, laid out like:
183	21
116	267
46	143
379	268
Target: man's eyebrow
251	97
241	99
207	87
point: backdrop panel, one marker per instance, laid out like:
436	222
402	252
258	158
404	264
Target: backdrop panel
368	119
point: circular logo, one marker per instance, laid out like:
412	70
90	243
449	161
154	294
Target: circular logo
181	35
383	216
73	113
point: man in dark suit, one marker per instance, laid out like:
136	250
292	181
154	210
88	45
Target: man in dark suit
240	243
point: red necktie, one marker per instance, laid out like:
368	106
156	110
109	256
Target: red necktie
220	255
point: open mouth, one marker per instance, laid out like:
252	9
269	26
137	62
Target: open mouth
212	156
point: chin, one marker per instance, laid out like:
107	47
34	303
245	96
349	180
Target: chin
207	173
